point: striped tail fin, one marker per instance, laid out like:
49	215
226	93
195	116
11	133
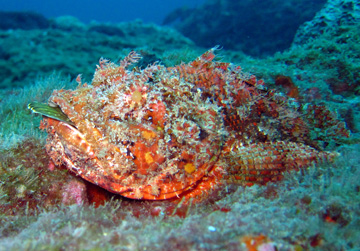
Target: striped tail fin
263	162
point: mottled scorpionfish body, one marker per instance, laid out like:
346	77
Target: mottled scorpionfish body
161	133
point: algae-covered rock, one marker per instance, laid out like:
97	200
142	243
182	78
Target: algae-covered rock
22	20
257	28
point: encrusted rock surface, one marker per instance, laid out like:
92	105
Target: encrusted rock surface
332	18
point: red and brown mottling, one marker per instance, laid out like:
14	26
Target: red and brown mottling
161	133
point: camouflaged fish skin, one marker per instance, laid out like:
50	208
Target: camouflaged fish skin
160	133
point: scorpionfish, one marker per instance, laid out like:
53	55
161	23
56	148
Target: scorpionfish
168	132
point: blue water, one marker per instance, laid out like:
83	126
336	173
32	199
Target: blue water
102	11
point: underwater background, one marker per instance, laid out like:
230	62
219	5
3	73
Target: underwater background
110	11
308	50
